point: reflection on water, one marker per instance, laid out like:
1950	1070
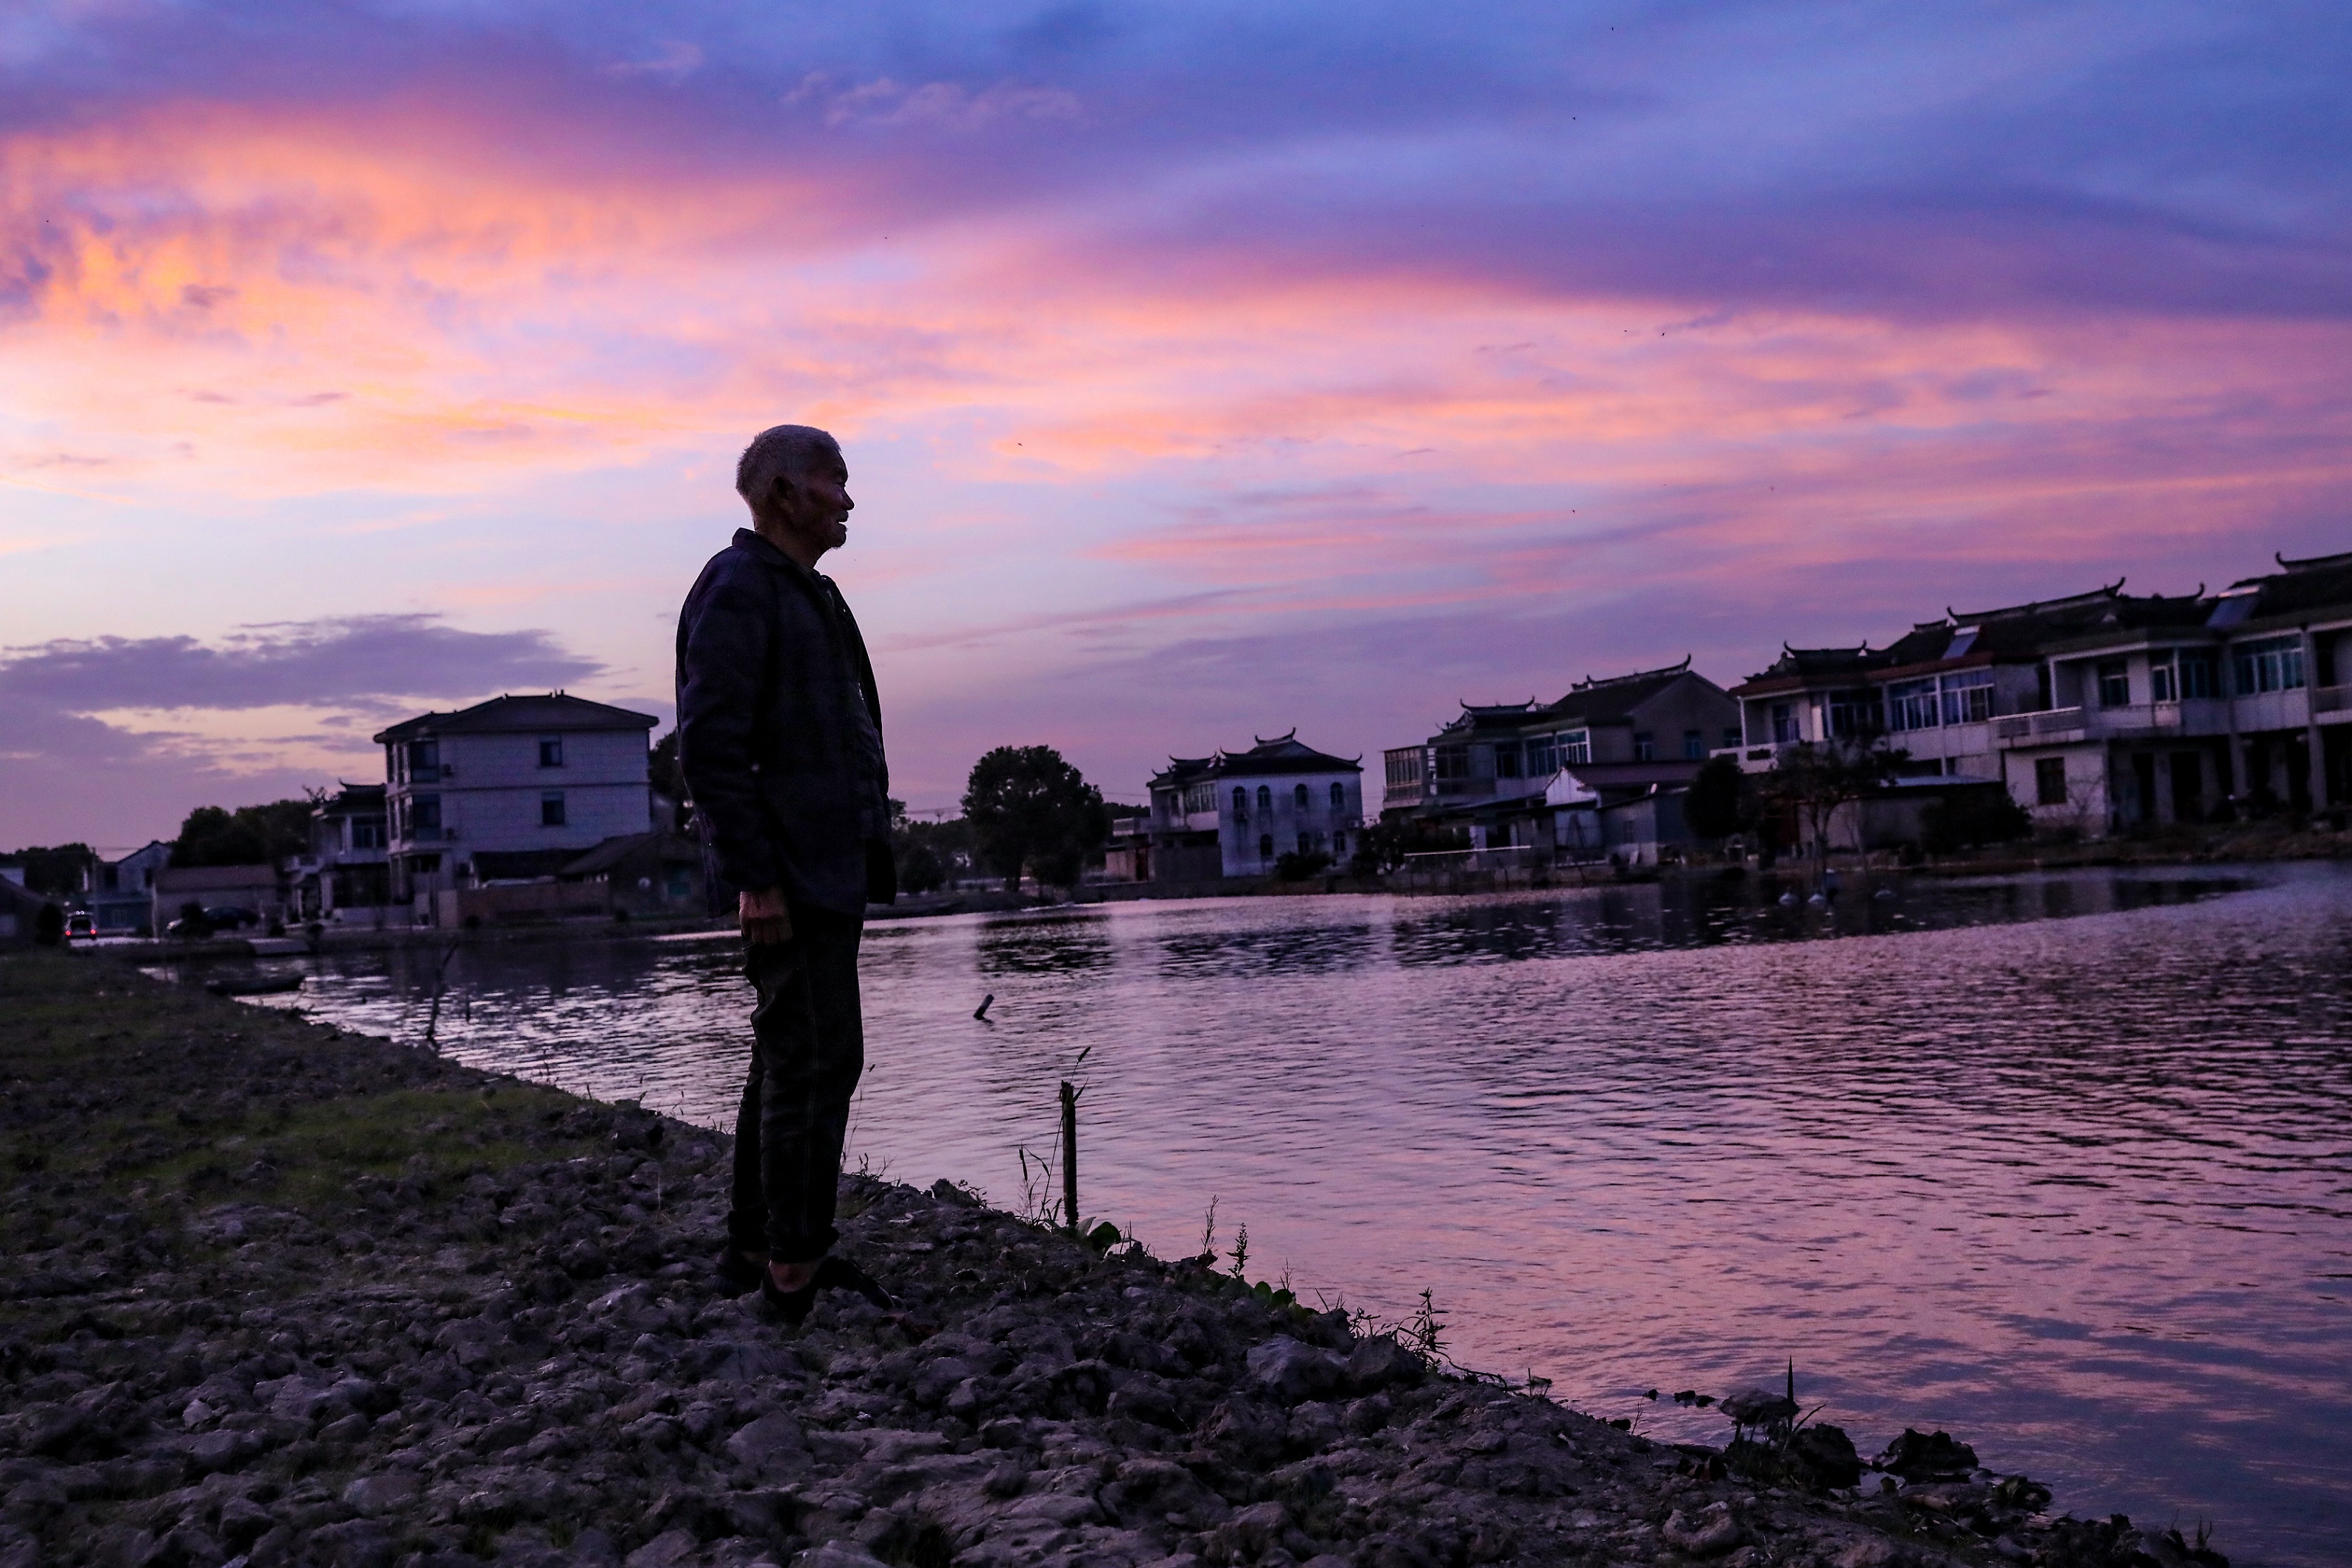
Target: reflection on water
2058	1163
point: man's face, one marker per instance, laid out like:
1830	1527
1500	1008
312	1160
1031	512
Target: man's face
814	504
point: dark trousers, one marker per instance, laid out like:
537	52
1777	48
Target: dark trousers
809	1047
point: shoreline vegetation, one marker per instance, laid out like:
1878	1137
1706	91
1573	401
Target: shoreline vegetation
277	1293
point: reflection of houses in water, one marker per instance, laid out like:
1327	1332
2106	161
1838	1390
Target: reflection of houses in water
1233	814
1598	773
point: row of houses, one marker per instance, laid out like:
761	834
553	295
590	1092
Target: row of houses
537	804
2096	713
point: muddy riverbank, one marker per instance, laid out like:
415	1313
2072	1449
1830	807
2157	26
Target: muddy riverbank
283	1294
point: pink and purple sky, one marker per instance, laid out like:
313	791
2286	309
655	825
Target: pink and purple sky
1204	370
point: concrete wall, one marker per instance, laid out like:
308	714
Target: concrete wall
1239	838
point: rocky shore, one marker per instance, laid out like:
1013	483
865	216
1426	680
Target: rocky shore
276	1295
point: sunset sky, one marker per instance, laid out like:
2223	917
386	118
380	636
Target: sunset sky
1204	370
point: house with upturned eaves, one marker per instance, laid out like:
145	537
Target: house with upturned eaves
1235	814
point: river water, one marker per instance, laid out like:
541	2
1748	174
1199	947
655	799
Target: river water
2062	1164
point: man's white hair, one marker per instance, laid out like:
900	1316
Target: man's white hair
782	452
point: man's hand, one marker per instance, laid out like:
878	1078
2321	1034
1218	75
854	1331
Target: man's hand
765	920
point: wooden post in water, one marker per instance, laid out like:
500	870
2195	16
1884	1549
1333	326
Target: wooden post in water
1070	1154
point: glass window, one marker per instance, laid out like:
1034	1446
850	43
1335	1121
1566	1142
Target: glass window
1265	845
1265	800
1507	758
1694	744
425	759
1575	746
1452	762
1298	797
2050	781
551	752
550	808
2162	686
2115	683
1339	844
367	832
426	814
1338	796
1853	713
1911	705
1967	697
1731	735
2272	664
1307	844
1784	724
1646	746
2201	673
1241	804
1543	756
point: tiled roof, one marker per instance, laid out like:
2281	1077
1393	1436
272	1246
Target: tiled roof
1282	754
552	712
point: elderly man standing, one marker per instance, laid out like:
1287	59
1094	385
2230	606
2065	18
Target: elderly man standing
779	737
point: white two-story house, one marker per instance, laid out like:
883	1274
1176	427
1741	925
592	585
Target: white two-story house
1235	814
511	789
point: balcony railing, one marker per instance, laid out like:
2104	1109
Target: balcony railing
2331	698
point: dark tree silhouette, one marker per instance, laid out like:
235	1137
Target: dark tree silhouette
1029	808
1721	801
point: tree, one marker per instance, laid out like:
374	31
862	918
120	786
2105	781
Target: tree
249	836
1818	778
1721	801
669	780
49	926
1028	808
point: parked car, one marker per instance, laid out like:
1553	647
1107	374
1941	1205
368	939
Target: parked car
82	926
228	917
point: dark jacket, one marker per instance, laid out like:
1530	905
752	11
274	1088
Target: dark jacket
780	733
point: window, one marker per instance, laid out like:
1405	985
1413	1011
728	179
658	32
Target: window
2201	673
1199	797
1307	844
1784	724
425	759
1507	758
550	808
2050	781
427	816
1339	795
1730	735
1575	746
1241	804
367	832
1694	744
1265	845
1543	756
1298	797
1911	705
1853	713
551	752
1646	746
2272	664
2162	687
1265	800
1452	762
2115	683
1967	697
1339	844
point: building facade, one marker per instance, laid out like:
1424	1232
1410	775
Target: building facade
1618	738
2101	712
119	893
347	874
511	789
1235	814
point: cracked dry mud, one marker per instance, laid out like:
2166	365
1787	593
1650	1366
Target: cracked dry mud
278	1295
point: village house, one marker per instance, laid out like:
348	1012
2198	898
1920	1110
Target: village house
346	875
510	790
1235	814
1550	777
2098	712
119	894
258	892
